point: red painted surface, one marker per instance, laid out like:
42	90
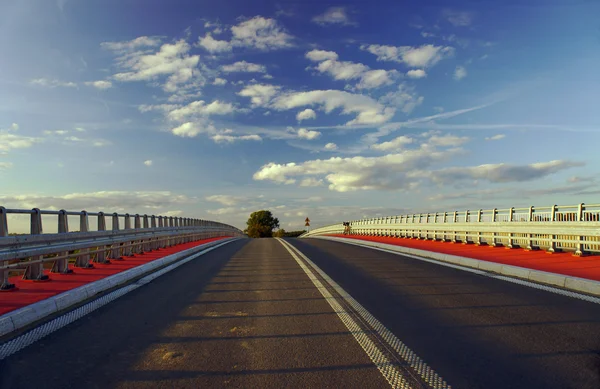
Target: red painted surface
559	263
31	292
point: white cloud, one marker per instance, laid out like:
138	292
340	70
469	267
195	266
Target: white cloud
5	165
395	144
321	55
460	73
496	137
172	60
200	109
447	140
193	129
416	73
219	81
346	70
418	57
148	162
100	143
101	84
307	182
127	46
52	83
74	139
334	15
367	110
303	133
260	94
55	132
219	138
306	114
458	18
226	200
213	45
404	98
392	171
499	173
243	66
260	33
10	141
331	146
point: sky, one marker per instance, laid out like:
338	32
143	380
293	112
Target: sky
329	110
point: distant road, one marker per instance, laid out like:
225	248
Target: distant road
247	316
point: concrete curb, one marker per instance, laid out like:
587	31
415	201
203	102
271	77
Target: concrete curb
575	284
22	317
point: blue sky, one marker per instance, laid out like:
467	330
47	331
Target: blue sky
334	111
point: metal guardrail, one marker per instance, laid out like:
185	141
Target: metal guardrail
556	228
29	252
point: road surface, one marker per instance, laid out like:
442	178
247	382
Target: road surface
247	315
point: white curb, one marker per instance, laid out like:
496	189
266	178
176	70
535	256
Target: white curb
22	317
568	282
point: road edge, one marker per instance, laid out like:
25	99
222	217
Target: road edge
23	317
571	283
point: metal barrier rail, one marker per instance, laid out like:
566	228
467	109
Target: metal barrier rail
556	228
29	252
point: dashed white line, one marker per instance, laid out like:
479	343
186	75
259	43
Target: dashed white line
390	372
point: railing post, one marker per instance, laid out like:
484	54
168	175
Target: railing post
5	284
128	249
530	218
467	220
445	237
137	223
479	215
153	226
146	246
161	224
511	214
35	271
101	253
83	258
580	251
115	252
494	220
454	232
62	265
552	247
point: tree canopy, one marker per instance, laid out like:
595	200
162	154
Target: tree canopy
261	224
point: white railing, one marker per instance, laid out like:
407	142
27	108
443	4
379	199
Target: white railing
557	228
28	253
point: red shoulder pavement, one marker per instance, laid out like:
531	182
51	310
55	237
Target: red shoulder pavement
29	292
580	274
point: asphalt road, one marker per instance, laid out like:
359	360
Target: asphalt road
242	316
247	316
475	331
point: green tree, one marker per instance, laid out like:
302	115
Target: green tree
261	224
280	233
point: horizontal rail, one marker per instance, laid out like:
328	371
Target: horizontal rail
128	234
556	228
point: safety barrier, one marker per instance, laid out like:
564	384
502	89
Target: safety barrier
28	253
556	228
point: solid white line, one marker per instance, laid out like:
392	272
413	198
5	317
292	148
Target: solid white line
11	347
530	284
390	372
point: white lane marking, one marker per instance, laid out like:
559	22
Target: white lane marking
530	284
395	377
11	347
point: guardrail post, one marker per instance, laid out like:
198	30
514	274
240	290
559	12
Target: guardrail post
479	216
580	251
137	222
494	220
153	226
530	218
454	232
445	237
552	248
83	258
101	253
115	252
62	265
128	249
511	214
467	220
6	285
146	246
170	225
35	271
161	224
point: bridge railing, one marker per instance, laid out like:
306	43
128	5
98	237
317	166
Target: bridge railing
28	253
555	228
